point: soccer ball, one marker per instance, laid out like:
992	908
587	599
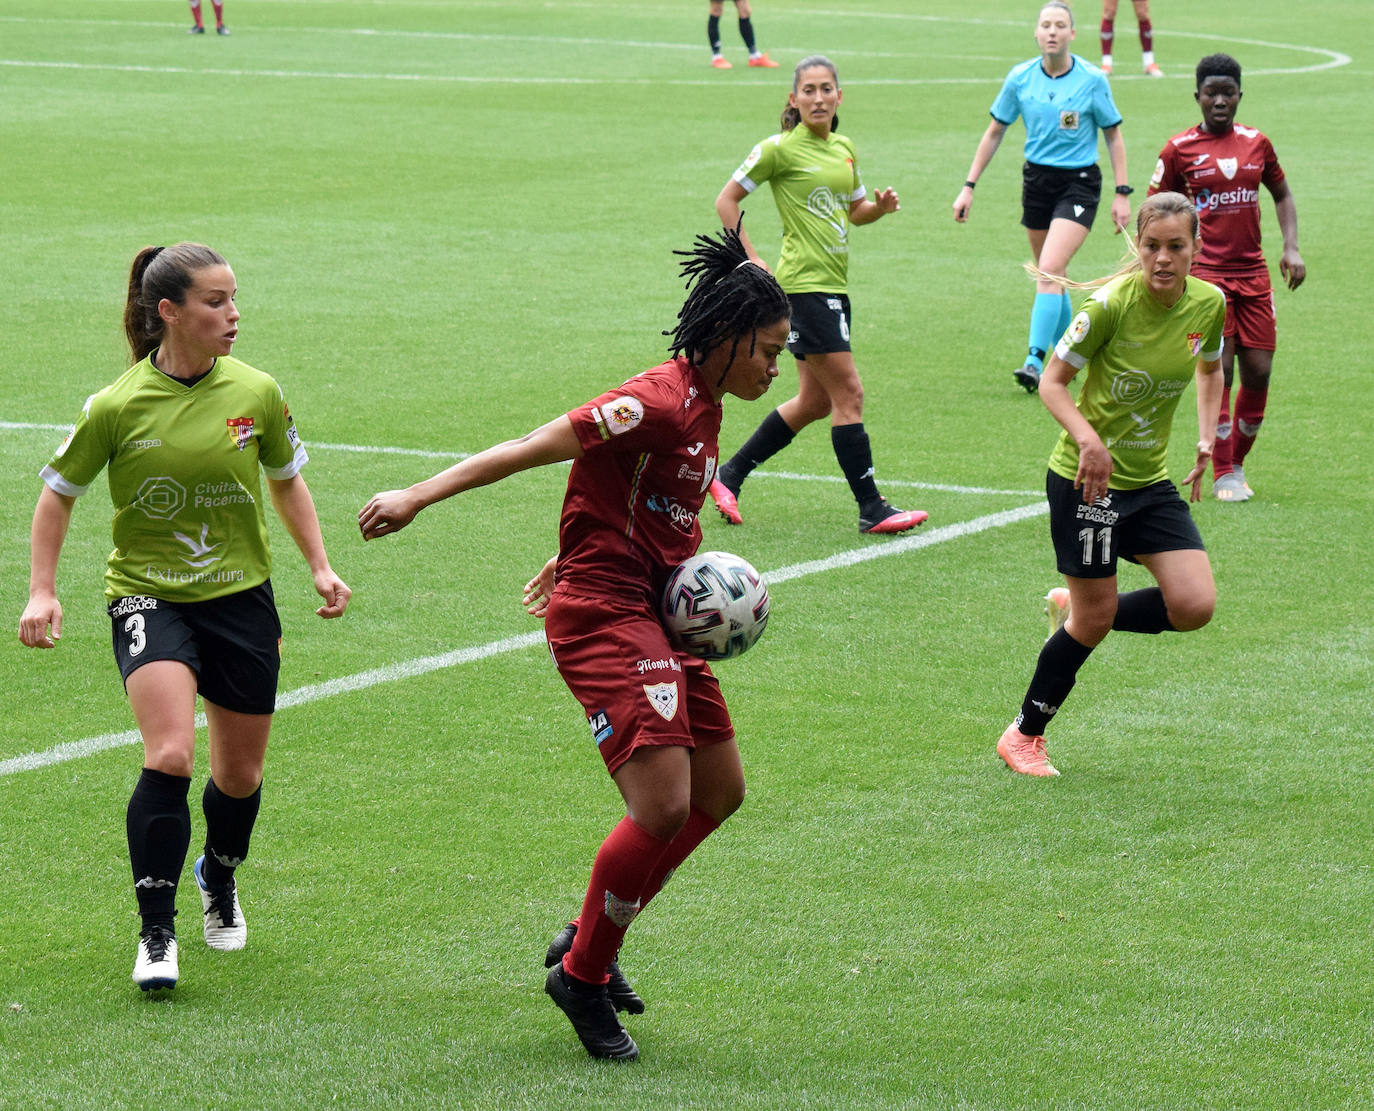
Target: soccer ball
715	605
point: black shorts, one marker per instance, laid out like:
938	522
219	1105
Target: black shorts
1126	523
820	323
233	644
1050	193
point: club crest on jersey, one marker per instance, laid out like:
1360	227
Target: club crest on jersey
1195	343
240	430
663	698
1228	167
1068	120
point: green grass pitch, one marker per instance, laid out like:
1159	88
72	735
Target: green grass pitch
451	221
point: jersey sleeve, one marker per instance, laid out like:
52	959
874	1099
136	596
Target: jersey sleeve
1214	340
1007	107
89	446
1089	330
1168	175
638	416
857	190
1105	111
280	450
1273	172
759	166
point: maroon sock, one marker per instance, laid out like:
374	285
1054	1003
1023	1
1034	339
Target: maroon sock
1147	36
1222	462
1249	416
219	12
195	12
624	864
1107	36
700	825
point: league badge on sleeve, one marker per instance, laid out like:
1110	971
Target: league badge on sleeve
1078	330
620	415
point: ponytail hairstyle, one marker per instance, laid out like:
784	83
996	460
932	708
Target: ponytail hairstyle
731	297
160	273
1151	209
790	116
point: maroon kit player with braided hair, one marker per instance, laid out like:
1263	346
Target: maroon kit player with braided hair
643	456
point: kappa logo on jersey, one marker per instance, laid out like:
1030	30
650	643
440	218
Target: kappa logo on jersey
1228	167
1068	120
621	415
1195	342
1078	330
600	725
161	497
663	698
240	430
292	436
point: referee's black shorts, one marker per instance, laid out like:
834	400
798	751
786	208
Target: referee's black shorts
1051	193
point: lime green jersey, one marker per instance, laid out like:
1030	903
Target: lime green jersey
183	471
814	182
1140	357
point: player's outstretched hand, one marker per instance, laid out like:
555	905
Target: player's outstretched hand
41	624
887	200
539	590
387	512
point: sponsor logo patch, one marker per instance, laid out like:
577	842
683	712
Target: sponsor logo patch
619	911
622	414
600	725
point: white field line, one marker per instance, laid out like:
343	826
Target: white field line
1333	58
422	453
423	665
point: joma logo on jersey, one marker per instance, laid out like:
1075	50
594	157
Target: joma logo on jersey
240	430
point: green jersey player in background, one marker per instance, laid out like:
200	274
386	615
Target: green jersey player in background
1141	337
182	435
819	193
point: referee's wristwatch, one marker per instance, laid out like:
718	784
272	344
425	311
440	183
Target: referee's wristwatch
1124	190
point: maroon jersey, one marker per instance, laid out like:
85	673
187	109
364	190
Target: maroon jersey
1222	174
630	513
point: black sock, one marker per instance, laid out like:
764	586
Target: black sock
746	32
770	437
713	33
158	824
850	442
1055	674
228	826
1142	611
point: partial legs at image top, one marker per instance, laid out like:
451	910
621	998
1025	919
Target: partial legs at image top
1231	487
884	519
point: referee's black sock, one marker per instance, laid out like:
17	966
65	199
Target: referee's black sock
1142	611
713	33
770	437
228	827
852	449
1055	674
158	825
746	32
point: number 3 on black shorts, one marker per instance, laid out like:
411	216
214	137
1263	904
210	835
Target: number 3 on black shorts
138	636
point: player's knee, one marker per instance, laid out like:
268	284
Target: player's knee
1192	612
665	819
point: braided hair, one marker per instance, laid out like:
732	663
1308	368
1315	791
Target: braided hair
730	297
